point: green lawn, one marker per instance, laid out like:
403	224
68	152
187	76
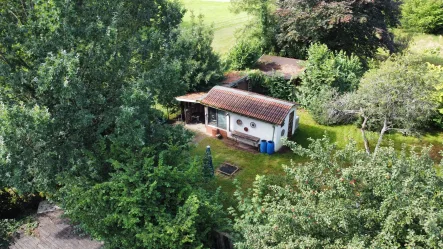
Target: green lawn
224	22
430	46
262	164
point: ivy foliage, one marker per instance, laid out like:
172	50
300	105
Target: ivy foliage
343	198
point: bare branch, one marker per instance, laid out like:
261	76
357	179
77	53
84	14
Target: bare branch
365	140
380	138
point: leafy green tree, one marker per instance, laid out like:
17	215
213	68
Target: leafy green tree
244	54
77	122
146	204
274	85
359	27
189	64
201	66
70	83
343	198
423	15
327	75
436	72
263	11
395	97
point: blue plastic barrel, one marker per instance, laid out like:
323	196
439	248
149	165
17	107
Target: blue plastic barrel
263	146
270	149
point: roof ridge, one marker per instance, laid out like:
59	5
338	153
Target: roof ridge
254	94
249	104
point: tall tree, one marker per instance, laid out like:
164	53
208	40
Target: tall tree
359	27
343	198
77	121
70	70
423	15
395	97
263	11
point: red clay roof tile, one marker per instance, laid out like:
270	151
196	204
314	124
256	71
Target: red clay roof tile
248	104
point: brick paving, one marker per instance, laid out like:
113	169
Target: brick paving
53	232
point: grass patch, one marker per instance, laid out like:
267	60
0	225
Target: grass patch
429	46
250	164
224	22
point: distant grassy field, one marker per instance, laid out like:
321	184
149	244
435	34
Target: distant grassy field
217	13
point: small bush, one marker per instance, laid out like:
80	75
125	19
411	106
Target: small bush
423	15
7	228
244	54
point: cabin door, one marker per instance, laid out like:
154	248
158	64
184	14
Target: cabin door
290	124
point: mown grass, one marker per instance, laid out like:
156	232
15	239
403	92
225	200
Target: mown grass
426	45
218	14
261	164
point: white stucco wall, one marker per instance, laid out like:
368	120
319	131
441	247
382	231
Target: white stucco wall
263	130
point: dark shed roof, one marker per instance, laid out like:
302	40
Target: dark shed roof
288	67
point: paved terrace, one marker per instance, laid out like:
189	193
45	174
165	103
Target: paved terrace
53	232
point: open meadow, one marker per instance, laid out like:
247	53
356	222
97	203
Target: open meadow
217	13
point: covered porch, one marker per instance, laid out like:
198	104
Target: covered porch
192	112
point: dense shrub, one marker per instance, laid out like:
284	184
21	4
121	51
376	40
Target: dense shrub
274	85
7	227
436	72
344	198
327	75
423	15
244	54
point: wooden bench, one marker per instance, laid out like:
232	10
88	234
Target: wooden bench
245	138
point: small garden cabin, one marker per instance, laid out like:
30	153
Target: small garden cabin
241	115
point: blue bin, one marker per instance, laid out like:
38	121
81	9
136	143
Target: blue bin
270	149
263	146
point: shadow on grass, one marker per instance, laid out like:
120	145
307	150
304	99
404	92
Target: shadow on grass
305	131
433	59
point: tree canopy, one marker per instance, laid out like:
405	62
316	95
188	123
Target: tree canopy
423	15
77	118
358	27
328	74
343	198
398	96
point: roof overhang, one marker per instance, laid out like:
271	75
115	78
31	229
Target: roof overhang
192	97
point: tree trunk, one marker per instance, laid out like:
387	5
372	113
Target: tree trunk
380	138
365	140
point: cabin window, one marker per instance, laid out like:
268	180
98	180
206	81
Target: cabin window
217	118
